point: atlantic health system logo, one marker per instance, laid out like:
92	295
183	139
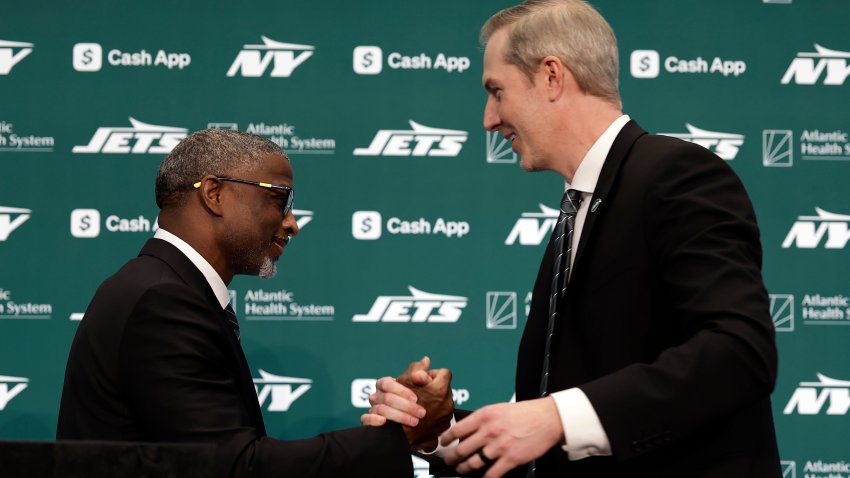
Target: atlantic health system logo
499	149
777	148
253	60
782	312
418	307
501	310
814	145
285	136
813	309
282	305
815	468
11	309
14	142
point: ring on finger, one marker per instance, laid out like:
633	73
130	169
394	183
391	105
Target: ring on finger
488	462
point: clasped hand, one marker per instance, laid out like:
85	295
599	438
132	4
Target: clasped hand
507	434
419	399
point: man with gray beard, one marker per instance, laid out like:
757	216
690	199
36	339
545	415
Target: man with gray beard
157	356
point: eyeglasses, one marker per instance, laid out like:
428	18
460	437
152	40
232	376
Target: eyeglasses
288	193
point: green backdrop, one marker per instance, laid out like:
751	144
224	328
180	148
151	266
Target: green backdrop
420	233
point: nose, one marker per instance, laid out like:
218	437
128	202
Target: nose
289	225
491	117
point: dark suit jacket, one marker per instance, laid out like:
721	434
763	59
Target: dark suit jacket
154	360
665	325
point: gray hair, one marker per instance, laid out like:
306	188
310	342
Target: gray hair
571	30
211	151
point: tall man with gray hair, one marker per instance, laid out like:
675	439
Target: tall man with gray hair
157	356
649	348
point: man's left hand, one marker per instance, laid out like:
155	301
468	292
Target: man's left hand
508	434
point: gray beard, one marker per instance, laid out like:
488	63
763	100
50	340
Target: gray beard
268	269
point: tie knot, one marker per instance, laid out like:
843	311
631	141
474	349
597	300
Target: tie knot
571	201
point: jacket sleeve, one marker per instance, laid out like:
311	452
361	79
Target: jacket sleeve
181	379
702	237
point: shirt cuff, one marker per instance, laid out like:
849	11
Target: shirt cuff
441	450
583	432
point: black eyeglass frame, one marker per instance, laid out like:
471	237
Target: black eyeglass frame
290	193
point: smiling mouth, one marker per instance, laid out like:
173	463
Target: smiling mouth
280	241
512	138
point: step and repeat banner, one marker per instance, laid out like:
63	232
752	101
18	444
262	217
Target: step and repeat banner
420	234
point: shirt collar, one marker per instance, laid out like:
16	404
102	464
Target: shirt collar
587	174
216	284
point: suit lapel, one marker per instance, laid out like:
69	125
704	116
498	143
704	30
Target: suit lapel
192	276
610	169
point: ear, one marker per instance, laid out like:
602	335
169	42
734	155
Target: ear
555	75
211	194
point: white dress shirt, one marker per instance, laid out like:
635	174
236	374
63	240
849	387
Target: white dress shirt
582	429
216	283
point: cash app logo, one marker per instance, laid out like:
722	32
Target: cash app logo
368	60
88	57
645	64
85	223
366	225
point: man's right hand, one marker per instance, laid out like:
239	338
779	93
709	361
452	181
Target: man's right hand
419	399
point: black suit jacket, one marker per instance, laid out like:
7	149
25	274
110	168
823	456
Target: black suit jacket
665	325
154	360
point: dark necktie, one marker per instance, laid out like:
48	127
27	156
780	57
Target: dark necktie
231	320
560	272
561	250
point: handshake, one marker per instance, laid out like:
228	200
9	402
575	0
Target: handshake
420	400
494	439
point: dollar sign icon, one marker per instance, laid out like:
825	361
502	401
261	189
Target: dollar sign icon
85	223
368	60
87	57
366	225
365	392
645	63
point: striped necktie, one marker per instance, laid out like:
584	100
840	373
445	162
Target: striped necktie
231	320
562	250
560	272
